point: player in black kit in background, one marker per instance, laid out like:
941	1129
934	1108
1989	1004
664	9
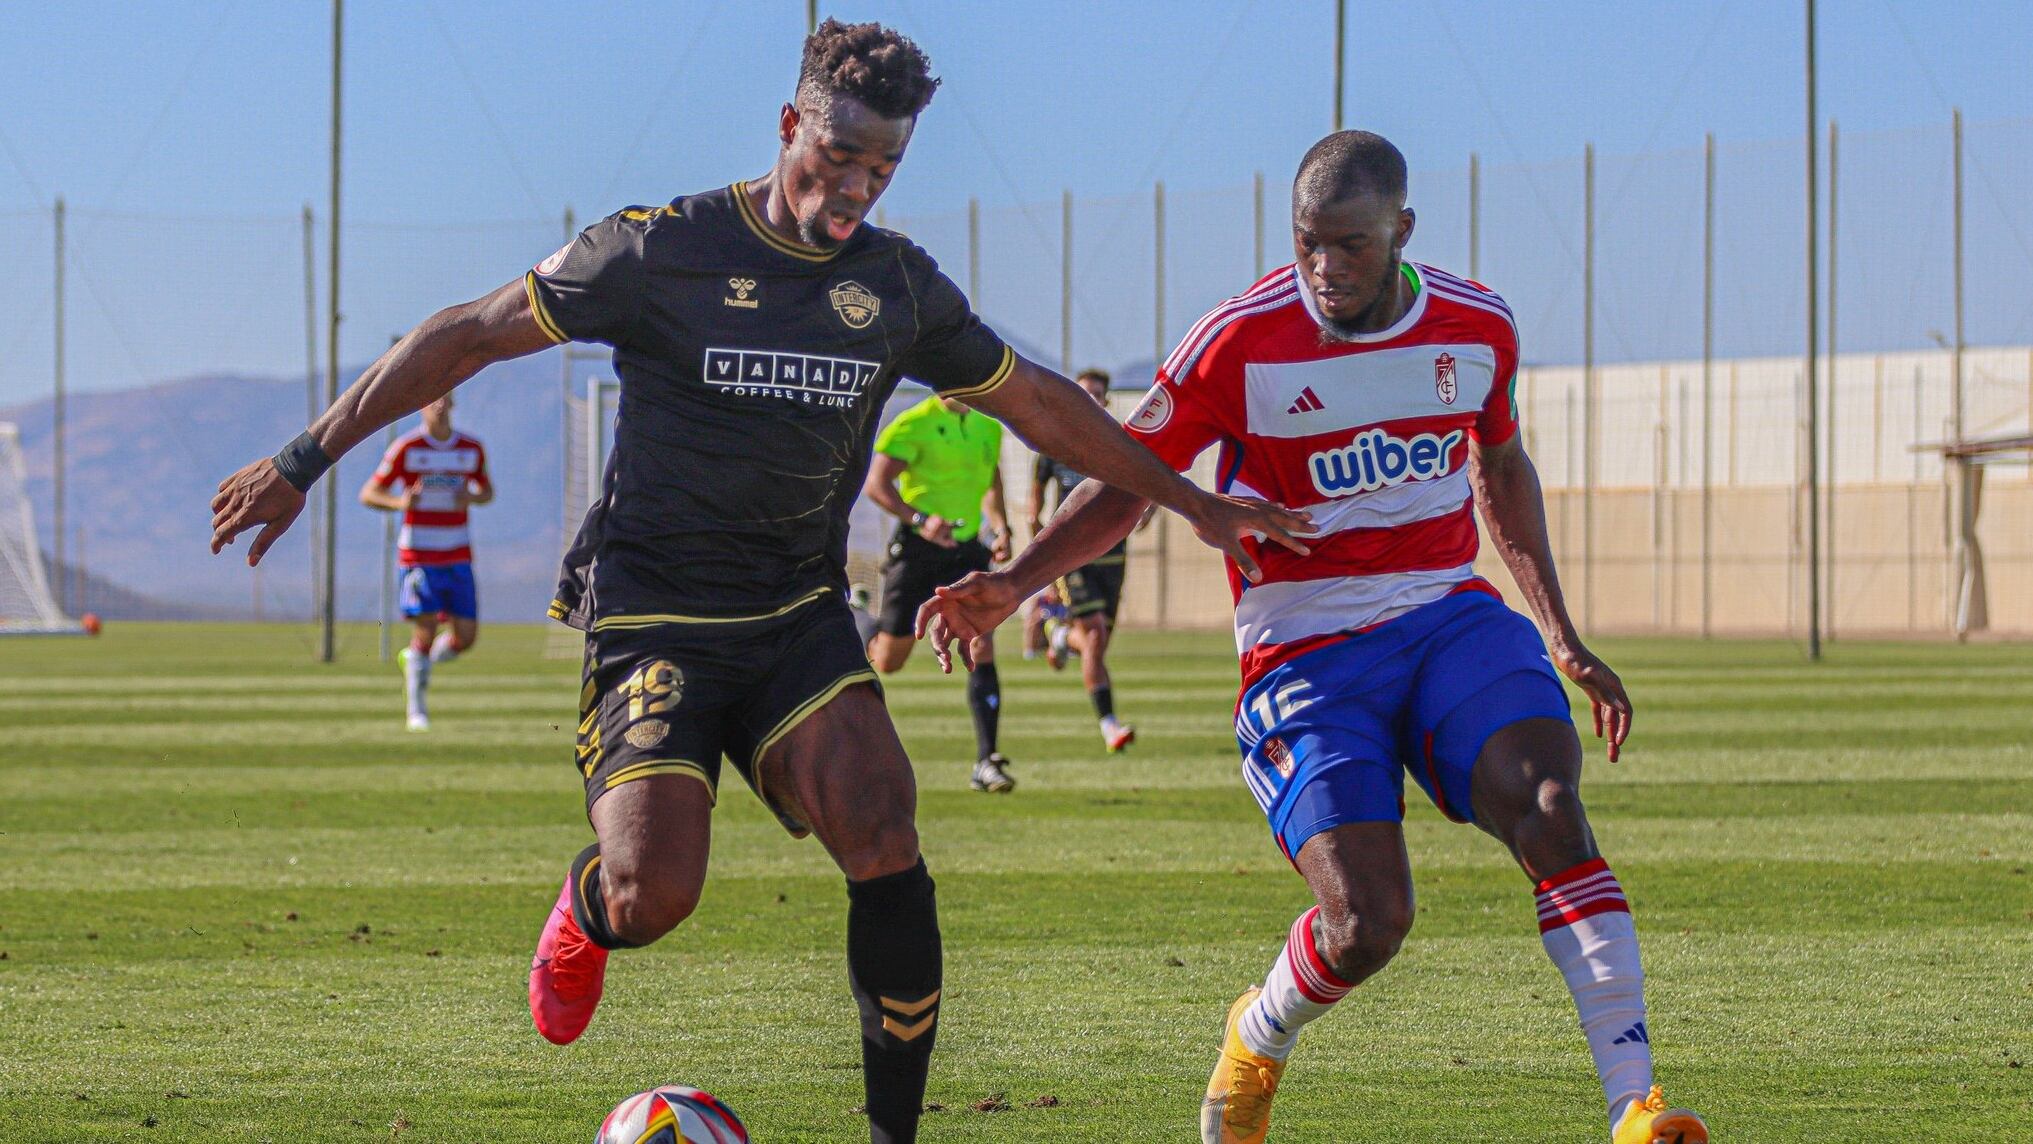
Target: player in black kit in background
757	331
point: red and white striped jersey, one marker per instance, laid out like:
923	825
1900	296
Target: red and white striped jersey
434	528
1369	434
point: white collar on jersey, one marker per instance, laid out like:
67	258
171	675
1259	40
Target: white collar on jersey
438	442
1411	316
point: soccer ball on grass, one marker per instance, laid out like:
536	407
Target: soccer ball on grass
673	1114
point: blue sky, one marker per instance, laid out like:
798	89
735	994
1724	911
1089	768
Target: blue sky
463	113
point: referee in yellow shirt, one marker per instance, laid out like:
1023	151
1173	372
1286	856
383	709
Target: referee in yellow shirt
937	470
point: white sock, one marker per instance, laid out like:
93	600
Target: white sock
1110	725
1298	989
1585	924
416	677
442	649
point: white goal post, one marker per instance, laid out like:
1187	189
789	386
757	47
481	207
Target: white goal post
590	416
26	605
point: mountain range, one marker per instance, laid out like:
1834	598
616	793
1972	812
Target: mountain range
143	463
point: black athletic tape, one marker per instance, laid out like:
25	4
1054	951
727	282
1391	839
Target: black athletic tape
302	462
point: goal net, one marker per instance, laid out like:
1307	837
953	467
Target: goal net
26	604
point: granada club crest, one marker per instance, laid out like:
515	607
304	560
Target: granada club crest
1279	754
855	305
549	266
1443	379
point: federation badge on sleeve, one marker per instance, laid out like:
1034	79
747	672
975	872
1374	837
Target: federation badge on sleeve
1154	412
549	266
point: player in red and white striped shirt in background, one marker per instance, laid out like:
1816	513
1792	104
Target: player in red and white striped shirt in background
441	473
1377	395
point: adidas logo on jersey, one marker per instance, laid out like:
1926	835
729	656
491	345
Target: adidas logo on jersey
1309	402
1377	460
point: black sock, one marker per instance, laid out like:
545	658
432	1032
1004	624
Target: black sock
893	966
1104	701
984	701
589	903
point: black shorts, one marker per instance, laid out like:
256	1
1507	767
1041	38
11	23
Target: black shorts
1094	588
672	698
915	569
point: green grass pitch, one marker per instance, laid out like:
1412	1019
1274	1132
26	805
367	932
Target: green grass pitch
239	903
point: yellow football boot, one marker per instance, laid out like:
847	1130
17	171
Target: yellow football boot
1649	1121
1237	1108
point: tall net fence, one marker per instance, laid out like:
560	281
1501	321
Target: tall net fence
1675	483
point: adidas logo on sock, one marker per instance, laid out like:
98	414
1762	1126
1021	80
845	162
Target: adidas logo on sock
1635	1035
1309	402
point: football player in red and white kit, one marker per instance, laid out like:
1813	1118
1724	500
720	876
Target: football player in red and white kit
441	473
1377	394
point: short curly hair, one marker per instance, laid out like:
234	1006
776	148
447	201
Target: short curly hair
873	65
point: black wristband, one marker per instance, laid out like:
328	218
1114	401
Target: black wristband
302	462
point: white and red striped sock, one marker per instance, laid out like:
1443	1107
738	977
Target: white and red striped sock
1298	989
443	649
1585	924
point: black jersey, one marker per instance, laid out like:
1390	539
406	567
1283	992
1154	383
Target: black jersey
753	373
1060	473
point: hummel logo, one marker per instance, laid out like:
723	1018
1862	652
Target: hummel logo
1309	402
1635	1035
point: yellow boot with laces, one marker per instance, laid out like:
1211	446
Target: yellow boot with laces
1650	1121
1237	1107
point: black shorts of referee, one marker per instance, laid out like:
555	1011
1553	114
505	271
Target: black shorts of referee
915	569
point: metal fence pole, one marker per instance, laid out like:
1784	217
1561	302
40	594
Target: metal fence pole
565	514
1588	388
1340	50
1568	477
1659	454
58	429
1475	216
1257	214
311	399
1066	282
974	253
1828	415
1811	373
328	606
1707	384
1966	585
1158	359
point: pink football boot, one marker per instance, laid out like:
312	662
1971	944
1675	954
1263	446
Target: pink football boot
566	975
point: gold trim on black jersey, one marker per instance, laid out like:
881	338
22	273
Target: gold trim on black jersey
616	623
991	383
543	317
776	241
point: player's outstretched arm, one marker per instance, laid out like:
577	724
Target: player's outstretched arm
1087	524
1507	491
1057	418
449	347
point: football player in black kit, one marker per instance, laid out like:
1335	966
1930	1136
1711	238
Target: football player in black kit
757	331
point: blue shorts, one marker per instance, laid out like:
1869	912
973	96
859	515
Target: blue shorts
1328	735
440	589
